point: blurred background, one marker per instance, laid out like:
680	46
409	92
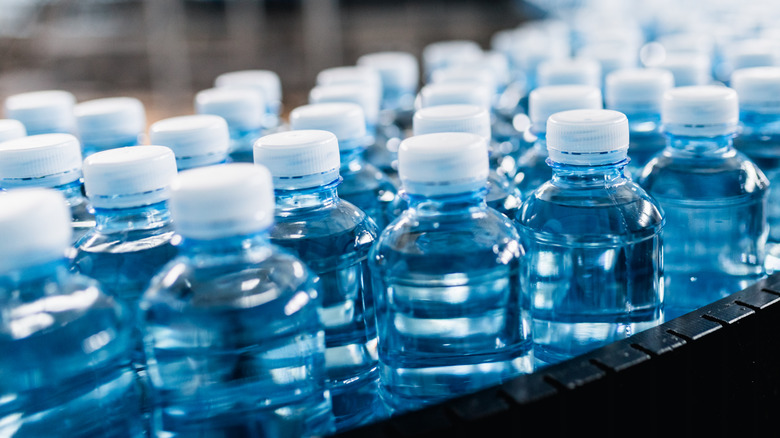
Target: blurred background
164	51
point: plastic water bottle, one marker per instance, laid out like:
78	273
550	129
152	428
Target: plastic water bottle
362	184
569	71
52	161
43	112
66	345
747	53
593	241
689	69
637	93
333	238
713	196
758	89
11	129
232	332
367	95
110	122
501	195
441	54
196	140
243	109
532	169
451	315
266	82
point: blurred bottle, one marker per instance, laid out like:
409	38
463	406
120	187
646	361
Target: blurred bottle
442	54
196	140
362	184
268	83
48	160
714	199
637	93
244	111
593	241
11	129
569	71
758	89
501	193
451	316
333	238
43	112
110	122
66	345
532	169
231	325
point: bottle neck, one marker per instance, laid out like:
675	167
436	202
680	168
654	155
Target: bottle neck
288	200
72	192
229	246
568	175
691	145
457	203
132	218
31	282
351	157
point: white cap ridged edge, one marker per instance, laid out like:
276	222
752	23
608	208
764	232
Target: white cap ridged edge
196	139
700	110
45	160
587	136
299	159
452	118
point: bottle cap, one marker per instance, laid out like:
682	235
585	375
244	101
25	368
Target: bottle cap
35	227
700	111
103	118
637	89
266	81
242	108
461	72
11	129
131	176
443	163
688	68
758	89
350	74
344	119
368	97
42	160
545	101
196	140
460	92
44	111
570	71
751	52
452	118
299	159
587	137
442	53
214	202
398	70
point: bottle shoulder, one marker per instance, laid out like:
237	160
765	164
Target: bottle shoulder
125	241
340	217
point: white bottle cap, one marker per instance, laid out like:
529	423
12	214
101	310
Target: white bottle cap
399	70
611	55
587	137
344	119
35	227
688	68
266	81
452	118
368	97
104	118
131	176
443	163
242	108
42	112
299	159
442	53
466	72
42	160
197	140
570	71
11	129
545	101
700	111
350	74
462	92
637	89
758	89
214	202
751	52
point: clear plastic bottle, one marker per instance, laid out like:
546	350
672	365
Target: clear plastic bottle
244	111
758	89
66	345
48	160
637	93
110	122
231	325
266	82
593	241
362	184
451	315
441	54
196	140
713	196
11	129
569	71
333	238
531	165
501	192
44	111
367	94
